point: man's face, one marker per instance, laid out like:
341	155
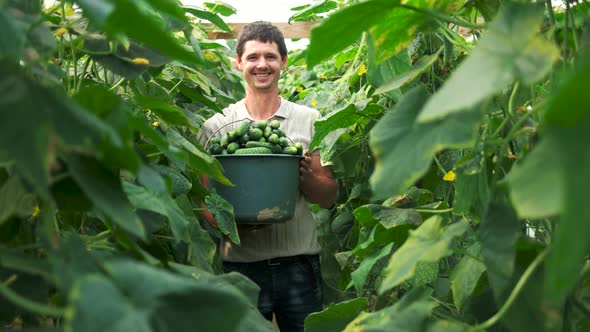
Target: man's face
261	64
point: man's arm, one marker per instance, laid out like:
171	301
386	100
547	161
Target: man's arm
317	182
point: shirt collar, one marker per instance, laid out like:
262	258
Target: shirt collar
283	111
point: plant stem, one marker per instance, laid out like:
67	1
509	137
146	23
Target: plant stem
27	304
116	85
515	292
439	165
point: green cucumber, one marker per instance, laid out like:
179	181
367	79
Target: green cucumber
253	151
290	150
242	128
232	147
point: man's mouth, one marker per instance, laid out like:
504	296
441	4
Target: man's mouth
261	74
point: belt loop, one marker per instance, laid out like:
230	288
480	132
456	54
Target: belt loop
270	262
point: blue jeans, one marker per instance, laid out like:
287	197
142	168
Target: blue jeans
290	287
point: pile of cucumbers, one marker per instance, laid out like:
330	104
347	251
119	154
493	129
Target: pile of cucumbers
255	137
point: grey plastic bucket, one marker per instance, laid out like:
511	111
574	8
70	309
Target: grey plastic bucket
265	186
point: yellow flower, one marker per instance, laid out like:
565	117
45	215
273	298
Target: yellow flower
141	61
450	176
323	76
155	124
362	69
314	102
60	32
299	88
35	212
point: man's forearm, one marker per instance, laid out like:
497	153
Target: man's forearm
320	190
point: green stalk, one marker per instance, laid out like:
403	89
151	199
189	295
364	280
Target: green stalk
439	165
515	292
352	69
25	303
84	69
434	211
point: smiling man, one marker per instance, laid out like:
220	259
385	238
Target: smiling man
283	259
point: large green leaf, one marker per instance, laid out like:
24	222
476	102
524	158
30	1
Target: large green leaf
168	113
403	149
344	27
105	191
498	233
472	193
360	275
466	274
429	243
211	17
144	298
410	314
408	76
201	250
223	212
13	37
336	316
510	50
397	28
342	118
35	117
15	200
138	20
571	103
383	73
161	203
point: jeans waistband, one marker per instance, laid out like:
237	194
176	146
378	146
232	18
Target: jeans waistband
281	260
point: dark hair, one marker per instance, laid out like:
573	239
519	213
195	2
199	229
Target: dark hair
262	31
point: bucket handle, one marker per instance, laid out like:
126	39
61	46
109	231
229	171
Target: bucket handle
231	122
225	125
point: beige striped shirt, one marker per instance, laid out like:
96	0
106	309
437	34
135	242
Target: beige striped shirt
294	237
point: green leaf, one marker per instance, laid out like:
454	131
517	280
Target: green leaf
382	73
168	113
472	192
201	251
570	245
95	294
223	212
105	191
203	162
138	20
359	276
342	118
571	103
429	243
211	17
13	37
396	29
144	298
498	233
161	203
466	274
310	12
336	316
403	149
511	49
220	7
344	27
15	200
407	315
449	326
405	77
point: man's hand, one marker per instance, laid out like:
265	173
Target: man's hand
316	182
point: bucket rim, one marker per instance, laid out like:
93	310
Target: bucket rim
273	155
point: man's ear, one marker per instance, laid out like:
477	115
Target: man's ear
238	62
284	63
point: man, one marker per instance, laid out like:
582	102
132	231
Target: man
281	258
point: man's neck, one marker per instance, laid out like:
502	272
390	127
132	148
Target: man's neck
262	106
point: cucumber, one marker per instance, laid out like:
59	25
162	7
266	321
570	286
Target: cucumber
242	128
274	138
215	149
253	151
299	148
267	131
244	139
260	124
255	134
272	147
232	147
290	150
275	124
214	140
232	136
224	141
283	141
